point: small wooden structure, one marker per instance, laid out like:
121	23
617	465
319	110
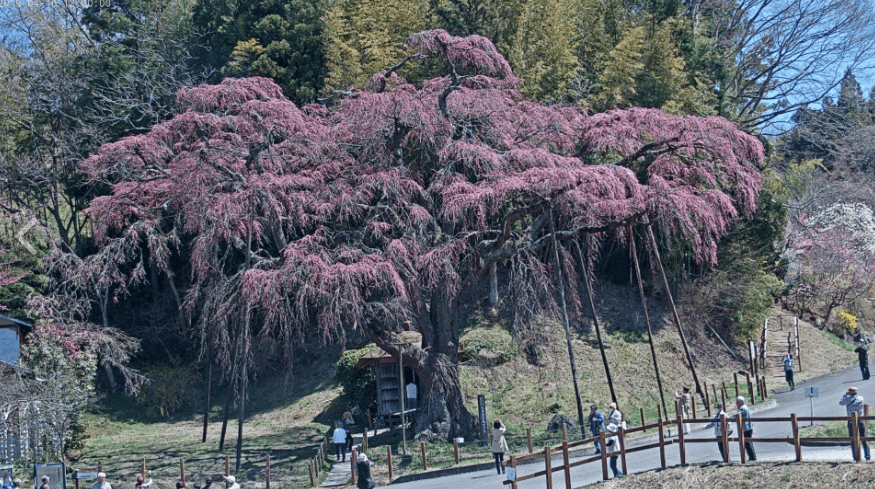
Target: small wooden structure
11	339
389	387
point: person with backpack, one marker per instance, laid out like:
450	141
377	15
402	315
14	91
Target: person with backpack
612	446
596	424
788	370
363	473
862	352
499	445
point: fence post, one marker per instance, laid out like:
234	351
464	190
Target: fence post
389	460
143	468
604	455
76	478
548	465
529	437
723	398
735	375
724	438
623	449
424	461
765	388
352	460
182	470
753	400
312	475
566	462
267	476
513	465
365	441
708	401
856	440
796	444
643	419
681	440
456	449
370	424
694	399
659	427
99	466
740	427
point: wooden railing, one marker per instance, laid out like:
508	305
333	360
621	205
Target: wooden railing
547	452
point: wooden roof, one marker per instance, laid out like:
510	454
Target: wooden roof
8	321
378	356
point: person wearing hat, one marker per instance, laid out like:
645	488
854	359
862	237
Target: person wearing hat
16	483
612	447
716	424
748	427
363	473
596	424
615	415
232	481
45	484
788	370
101	482
141	481
853	403
862	352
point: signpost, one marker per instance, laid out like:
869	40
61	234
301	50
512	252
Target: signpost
86	475
811	392
481	408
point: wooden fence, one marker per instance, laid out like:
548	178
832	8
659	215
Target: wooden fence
681	442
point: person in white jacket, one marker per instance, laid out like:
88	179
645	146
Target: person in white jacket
612	444
232	481
339	439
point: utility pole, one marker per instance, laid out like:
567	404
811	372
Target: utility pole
401	393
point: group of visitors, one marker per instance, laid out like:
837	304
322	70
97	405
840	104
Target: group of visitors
343	441
747	426
615	421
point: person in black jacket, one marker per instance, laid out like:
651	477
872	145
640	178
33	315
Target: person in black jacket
363	473
862	352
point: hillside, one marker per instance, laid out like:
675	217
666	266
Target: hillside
288	415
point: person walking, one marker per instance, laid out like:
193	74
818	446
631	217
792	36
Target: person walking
748	427
788	370
339	439
612	447
499	445
101	482
853	403
862	352
685	399
348	423
596	424
717	425
363	473
615	415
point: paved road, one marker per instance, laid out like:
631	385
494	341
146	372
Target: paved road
831	390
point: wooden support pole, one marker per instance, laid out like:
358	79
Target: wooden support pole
723	397
424	459
714	390
634	252
660	427
736	383
674	311
724	439
513	464
389	461
548	465
740	427
267	476
456	450
765	389
566	461
564	433
182	470
694	406
604	455
798	346
680	440
856	432
143	468
365	440
796	443
529	437
643	419
227	469
312	475
370	423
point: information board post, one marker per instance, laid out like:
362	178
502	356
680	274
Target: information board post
481	409
811	392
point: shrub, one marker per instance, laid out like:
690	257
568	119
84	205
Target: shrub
488	346
170	389
359	384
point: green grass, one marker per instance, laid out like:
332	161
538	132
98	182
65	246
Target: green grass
838	341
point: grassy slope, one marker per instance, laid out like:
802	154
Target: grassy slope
288	417
760	475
